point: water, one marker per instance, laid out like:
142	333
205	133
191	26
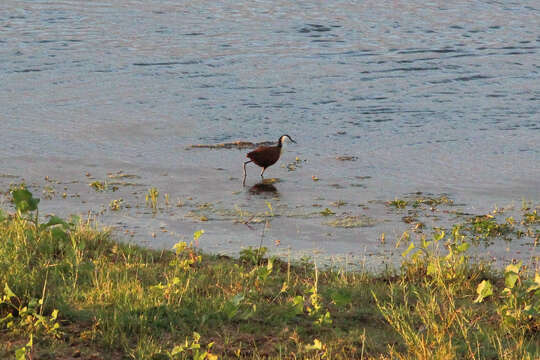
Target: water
429	96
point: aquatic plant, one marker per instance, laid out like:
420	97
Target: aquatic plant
152	197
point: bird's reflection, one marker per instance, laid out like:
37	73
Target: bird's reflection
263	188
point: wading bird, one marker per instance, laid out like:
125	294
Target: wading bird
266	156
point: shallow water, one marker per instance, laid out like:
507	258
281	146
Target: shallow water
431	97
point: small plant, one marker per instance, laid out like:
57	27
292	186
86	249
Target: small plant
339	203
116	205
25	352
252	255
167	200
152	197
319	348
398	203
98	185
28	316
327	212
521	307
433	201
48	192
23	200
531	218
192	350
186	256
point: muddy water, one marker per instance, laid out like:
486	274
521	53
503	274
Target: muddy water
432	97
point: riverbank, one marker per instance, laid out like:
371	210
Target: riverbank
70	290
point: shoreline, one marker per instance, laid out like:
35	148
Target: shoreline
332	228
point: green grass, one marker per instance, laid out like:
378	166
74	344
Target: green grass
68	289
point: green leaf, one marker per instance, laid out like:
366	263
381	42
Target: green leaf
237	299
483	290
341	297
439	236
59	234
536	284
511	275
54	314
513	267
179	247
432	268
177	350
463	247
327	212
510	279
270	208
409	249
24	201
8	293
298	305
317	345
20	354
197	234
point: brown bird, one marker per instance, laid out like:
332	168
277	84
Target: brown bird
266	156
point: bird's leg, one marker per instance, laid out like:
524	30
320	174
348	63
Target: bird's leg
262	172
244	179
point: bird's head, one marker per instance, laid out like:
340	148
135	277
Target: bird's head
284	139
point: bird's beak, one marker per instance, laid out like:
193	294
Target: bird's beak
293	140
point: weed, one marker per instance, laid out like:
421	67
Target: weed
486	226
99	185
398	203
116	205
152	197
531	218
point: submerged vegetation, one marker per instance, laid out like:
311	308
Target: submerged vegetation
67	289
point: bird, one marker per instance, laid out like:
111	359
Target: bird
266	156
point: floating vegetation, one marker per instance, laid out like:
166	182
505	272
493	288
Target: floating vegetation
398	203
327	212
409	219
347	158
338	203
116	204
432	201
121	175
487	226
98	185
231	145
351	221
531	218
418	200
48	192
297	163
